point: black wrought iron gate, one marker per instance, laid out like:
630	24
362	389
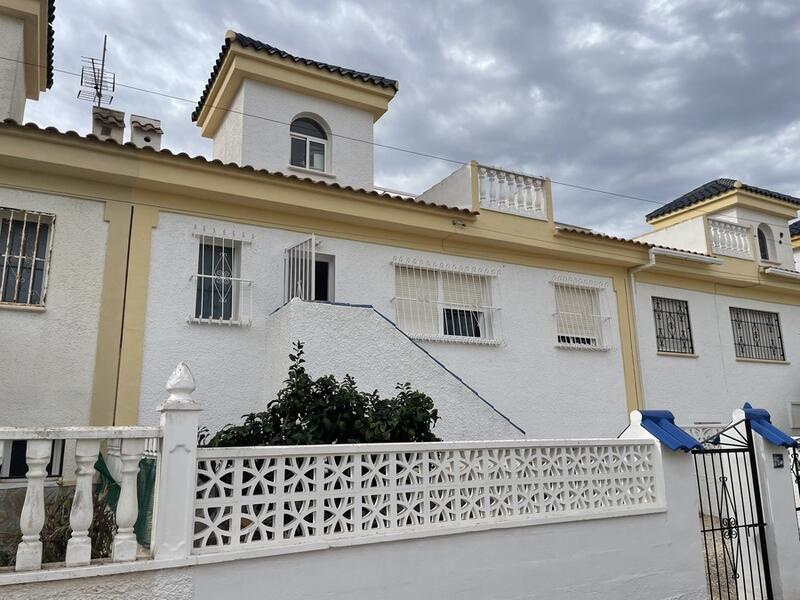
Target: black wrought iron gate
731	516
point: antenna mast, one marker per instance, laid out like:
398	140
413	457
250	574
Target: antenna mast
97	83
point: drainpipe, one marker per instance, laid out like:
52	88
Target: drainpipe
651	262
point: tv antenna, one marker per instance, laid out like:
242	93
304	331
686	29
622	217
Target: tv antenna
97	83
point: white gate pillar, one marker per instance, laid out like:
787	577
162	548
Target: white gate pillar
174	502
780	515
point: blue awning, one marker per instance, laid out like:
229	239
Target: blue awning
760	422
661	423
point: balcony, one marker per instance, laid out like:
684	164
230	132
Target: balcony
730	239
511	192
482	187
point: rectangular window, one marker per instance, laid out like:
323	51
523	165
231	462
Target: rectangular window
24	250
580	319
221	296
440	304
15	466
673	328
757	334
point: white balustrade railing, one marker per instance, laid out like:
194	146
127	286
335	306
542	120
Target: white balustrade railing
730	239
507	191
87	444
276	496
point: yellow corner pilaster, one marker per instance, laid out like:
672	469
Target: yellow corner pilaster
634	393
144	219
112	305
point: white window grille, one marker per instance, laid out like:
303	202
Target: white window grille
582	315
221	295
298	270
25	242
446	302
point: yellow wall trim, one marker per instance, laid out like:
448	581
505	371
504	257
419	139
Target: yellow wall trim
112	301
126	412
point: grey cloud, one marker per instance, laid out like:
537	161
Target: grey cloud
648	98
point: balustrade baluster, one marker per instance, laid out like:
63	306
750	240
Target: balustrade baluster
493	192
538	192
31	520
501	191
528	199
483	181
125	546
79	547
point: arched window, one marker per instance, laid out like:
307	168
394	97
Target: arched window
766	243
309	144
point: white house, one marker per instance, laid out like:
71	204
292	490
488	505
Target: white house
120	260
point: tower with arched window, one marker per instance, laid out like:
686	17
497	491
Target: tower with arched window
269	109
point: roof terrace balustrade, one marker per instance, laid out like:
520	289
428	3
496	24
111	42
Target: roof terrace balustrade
730	239
512	192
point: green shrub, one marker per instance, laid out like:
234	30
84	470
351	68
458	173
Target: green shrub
326	411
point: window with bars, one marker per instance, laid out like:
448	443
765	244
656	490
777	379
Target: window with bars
581	315
673	327
15	465
25	238
437	303
757	334
221	296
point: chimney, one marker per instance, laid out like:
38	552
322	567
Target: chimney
146	132
108	124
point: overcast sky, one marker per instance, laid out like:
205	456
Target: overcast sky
643	97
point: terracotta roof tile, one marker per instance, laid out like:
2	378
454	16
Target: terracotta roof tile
129	146
614	238
715	188
248	42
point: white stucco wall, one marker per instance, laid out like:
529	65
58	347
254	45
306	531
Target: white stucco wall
227	143
709	386
49	357
548	391
343	340
688	235
453	190
265	143
12	74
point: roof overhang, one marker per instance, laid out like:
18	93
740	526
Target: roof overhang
731	198
246	63
35	15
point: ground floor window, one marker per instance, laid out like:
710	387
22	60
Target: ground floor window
581	313
757	334
442	302
673	328
15	466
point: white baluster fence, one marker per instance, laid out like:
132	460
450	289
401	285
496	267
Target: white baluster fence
277	496
730	239
87	442
508	191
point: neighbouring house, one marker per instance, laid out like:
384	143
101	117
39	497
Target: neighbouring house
794	231
121	259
